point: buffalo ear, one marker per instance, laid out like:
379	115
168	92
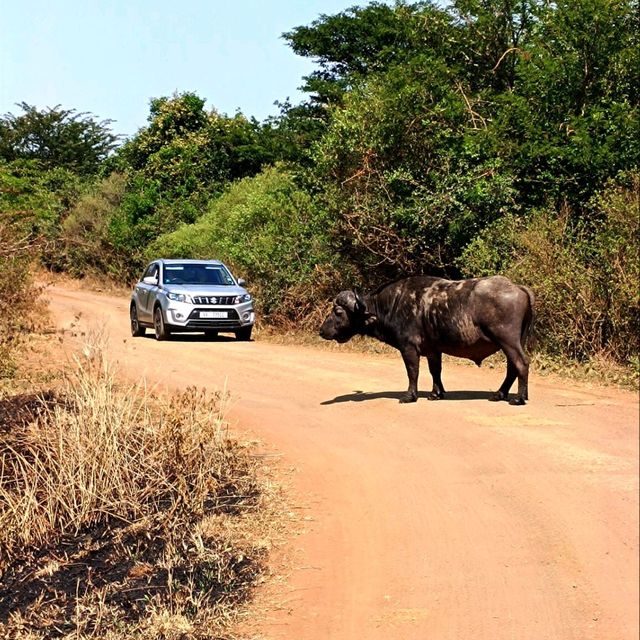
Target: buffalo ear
346	300
361	308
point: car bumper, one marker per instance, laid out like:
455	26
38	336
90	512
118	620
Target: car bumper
188	317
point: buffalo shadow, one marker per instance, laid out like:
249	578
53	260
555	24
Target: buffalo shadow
363	396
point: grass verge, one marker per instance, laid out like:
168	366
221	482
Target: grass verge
123	514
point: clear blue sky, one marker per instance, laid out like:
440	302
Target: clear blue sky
109	57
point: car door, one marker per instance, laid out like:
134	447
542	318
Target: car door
145	289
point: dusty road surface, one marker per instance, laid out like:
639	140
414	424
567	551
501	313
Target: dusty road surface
459	520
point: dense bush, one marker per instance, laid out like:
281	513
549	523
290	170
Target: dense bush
18	294
500	111
34	199
87	231
32	203
585	274
271	232
478	138
402	168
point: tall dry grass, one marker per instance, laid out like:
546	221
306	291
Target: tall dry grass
123	514
18	294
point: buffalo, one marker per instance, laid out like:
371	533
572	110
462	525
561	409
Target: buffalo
427	316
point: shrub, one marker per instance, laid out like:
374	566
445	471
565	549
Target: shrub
18	294
86	231
616	257
584	274
120	512
33	199
270	231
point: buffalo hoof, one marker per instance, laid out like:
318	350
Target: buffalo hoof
498	396
409	397
435	396
518	401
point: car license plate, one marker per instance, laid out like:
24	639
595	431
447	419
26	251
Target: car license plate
213	314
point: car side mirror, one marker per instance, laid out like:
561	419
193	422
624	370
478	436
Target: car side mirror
150	280
241	282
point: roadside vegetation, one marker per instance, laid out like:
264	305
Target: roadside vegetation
490	136
484	137
18	293
124	514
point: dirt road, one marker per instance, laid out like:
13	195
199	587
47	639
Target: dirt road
453	520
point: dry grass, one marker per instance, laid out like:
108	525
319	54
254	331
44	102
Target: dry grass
18	295
125	515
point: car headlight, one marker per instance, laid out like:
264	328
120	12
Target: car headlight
179	297
245	297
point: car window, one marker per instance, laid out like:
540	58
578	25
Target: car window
196	274
152	270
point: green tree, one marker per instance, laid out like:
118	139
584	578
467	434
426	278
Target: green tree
449	120
190	153
57	138
361	41
404	171
492	36
571	121
289	136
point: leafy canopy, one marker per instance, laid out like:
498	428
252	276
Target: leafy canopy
57	138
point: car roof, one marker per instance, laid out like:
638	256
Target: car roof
186	261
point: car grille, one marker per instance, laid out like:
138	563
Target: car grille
213	324
214	300
196	322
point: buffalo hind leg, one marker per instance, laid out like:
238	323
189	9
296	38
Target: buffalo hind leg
435	369
503	392
517	367
411	359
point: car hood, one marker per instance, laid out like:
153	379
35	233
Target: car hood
205	289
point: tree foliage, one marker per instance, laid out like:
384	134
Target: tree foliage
57	138
484	136
188	149
271	231
507	109
362	41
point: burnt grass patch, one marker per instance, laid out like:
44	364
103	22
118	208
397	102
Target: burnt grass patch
124	514
119	575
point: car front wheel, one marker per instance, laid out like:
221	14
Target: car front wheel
137	329
243	334
162	333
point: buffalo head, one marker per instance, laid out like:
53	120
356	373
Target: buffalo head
348	317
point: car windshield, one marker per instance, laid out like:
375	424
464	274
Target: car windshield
196	274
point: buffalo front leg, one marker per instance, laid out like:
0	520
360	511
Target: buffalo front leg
411	359
435	369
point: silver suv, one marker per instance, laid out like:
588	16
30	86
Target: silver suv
190	295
